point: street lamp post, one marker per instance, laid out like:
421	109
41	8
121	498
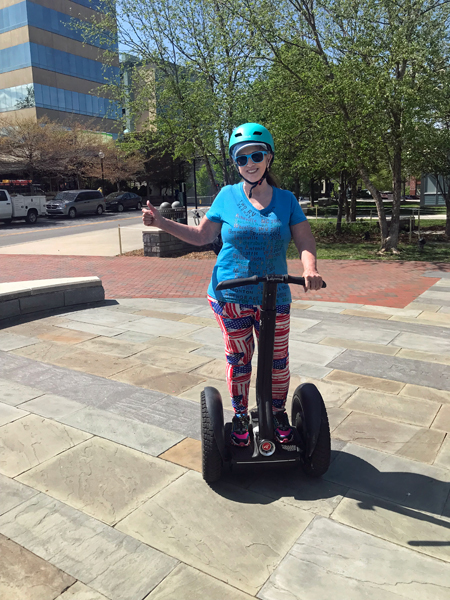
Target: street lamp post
102	156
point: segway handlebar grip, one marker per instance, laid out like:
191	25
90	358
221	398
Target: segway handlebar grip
228	284
300	281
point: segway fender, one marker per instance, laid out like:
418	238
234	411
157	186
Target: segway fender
215	411
312	403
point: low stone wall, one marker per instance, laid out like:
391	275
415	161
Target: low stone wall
24	297
163	245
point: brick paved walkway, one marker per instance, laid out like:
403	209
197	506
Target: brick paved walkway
394	284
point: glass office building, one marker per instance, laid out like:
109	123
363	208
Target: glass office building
45	69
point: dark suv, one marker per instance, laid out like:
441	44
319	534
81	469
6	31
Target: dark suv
76	202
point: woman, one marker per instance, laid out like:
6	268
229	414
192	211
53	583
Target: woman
257	221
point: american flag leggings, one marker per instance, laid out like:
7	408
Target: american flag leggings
237	322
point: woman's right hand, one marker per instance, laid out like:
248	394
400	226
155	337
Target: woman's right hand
151	216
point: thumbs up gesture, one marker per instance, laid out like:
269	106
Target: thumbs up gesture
151	216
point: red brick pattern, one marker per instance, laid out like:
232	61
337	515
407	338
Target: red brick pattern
392	283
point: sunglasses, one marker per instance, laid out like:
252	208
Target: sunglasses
256	157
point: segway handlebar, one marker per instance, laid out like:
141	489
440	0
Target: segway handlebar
228	284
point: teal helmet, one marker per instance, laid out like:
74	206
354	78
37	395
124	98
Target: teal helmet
251	132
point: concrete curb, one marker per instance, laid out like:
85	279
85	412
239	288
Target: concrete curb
24	297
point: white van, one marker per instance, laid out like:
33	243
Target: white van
17	207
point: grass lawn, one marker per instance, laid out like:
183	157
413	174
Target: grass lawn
361	241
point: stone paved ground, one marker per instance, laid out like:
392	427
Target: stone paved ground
100	491
394	284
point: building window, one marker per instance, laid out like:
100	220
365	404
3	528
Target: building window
44	96
35	15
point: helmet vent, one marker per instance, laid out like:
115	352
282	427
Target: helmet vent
238	135
257	133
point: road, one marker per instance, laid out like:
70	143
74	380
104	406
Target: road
20	232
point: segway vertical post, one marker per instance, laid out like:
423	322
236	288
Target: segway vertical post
265	359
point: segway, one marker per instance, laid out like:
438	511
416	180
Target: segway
311	446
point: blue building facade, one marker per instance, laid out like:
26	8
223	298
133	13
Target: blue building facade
45	69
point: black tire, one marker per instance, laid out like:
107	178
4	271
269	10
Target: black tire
318	463
119	207
211	459
99	210
32	216
139	206
72	213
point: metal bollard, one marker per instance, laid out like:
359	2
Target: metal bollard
120	241
410	229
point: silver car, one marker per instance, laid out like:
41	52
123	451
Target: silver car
76	202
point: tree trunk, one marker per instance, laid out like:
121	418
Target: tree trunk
341	202
447	222
311	190
354	184
379	204
392	241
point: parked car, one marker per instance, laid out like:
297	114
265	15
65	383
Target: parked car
18	207
120	201
76	202
363	194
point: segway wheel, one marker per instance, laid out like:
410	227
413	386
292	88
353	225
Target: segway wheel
309	417
211	459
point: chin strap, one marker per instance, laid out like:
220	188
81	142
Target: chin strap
257	183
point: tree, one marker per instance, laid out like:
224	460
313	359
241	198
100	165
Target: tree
377	64
192	75
30	146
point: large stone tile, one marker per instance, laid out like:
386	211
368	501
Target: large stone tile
299	324
291	486
12	341
162	380
159	314
8	414
178	344
136	338
47	352
91	328
169	412
186	583
331	560
103	479
206	336
381	434
423	446
393	478
387	310
442	420
215	369
309	370
365	381
301	352
160	326
33	328
427	393
117	566
14	393
64	336
423	343
188	453
434	295
95	363
203	321
422	306
32	440
192	522
13	493
79	591
174	360
333	394
442	359
214	351
25	576
419	531
370	314
394	407
336	416
194	393
112	347
99	316
393	367
140	436
355	331
52	406
363	346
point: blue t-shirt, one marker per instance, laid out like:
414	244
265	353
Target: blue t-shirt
254	242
